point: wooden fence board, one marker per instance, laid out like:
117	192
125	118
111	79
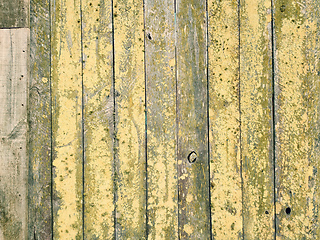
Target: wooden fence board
67	119
39	120
14	13
224	117
161	120
130	119
98	119
297	35
14	77
256	119
192	150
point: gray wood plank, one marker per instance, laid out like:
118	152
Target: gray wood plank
192	119
13	132
39	120
14	13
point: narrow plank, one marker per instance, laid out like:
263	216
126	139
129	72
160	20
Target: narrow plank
67	119
130	174
256	119
98	119
193	178
14	77
14	13
161	120
297	36
39	120
224	116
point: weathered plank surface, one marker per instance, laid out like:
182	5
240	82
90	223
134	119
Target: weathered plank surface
14	76
297	36
39	120
14	13
130	155
192	146
161	120
98	119
256	119
67	119
224	117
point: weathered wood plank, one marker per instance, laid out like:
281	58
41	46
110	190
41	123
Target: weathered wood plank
161	120
14	13
224	116
130	140
192	148
98	119
297	36
256	119
67	119
14	77
39	120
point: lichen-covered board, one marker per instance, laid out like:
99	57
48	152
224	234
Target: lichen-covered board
39	120
161	120
192	120
14	77
224	117
98	119
14	13
66	84
130	153
297	42
256	119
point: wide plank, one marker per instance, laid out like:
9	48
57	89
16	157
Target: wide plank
130	141
14	13
67	132
224	117
98	119
39	120
192	120
14	77
161	120
297	37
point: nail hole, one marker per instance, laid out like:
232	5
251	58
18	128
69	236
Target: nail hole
149	36
266	212
192	157
288	210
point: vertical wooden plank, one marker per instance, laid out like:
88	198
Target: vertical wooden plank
14	13
39	120
67	119
130	119
14	77
98	119
161	120
192	150
256	119
224	115
297	100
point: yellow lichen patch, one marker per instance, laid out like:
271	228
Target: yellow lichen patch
98	119
256	119
297	99
130	119
66	125
226	204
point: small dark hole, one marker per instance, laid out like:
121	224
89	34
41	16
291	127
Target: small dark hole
21	75
266	212
149	36
282	8
22	105
288	210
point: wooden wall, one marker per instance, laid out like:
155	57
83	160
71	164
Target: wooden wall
159	119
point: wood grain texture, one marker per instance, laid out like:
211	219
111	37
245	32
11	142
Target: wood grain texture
297	100
14	77
67	119
256	119
224	117
193	178
161	120
14	13
98	119
130	129
39	120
